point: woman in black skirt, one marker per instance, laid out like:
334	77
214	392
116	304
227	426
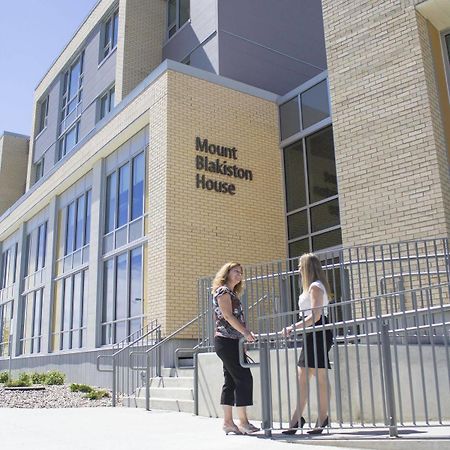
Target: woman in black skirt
313	359
229	328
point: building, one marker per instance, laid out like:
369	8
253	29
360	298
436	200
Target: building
172	135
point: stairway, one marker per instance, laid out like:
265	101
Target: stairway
173	391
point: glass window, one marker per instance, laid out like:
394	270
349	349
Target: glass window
108	291
289	118
43	114
42	242
77	308
184	11
87	233
297	224
124	183
110	31
178	13
39	170
294	176
314	103
111	191
67	314
122	296
8	267
70	229
447	45
325	215
136	283
80	227
69	140
297	248
121	291
137	203
326	240
6	310
31	331
321	165
107	102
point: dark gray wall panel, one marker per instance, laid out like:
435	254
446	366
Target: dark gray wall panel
272	45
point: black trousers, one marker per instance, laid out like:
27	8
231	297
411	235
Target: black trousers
238	387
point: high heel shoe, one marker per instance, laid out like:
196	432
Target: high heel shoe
295	427
231	429
319	428
248	429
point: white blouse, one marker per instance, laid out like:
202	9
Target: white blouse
304	300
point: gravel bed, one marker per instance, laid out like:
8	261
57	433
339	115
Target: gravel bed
51	397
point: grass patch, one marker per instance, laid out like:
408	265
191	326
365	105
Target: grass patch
97	394
38	378
74	387
54	377
24	380
4	377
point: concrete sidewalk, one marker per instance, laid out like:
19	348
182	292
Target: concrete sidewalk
125	428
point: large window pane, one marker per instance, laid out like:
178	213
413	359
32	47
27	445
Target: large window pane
289	118
37	322
297	248
136	283
115	29
295	176
87	231
325	215
67	313
321	165
184	13
327	240
314	103
32	250
77	308
172	15
108	291
121	292
111	189
138	186
42	241
124	183
80	222
297	224
70	229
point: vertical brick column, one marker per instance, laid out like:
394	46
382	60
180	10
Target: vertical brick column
390	152
139	47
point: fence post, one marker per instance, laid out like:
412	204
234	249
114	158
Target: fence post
388	380
158	354
266	391
147	382
114	382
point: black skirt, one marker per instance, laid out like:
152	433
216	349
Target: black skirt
316	346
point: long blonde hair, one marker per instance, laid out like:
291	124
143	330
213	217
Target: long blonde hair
222	276
311	270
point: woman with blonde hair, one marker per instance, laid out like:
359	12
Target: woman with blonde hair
313	358
229	328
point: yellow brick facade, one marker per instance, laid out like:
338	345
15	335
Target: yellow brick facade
198	230
390	149
13	164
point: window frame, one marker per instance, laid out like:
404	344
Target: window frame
446	57
42	117
108	36
39	169
62	150
173	27
109	96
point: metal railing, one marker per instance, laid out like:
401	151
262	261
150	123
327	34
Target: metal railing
390	367
126	380
353	273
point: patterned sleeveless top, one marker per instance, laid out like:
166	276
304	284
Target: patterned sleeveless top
222	327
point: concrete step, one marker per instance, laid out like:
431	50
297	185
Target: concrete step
172	382
165	404
181	372
172	393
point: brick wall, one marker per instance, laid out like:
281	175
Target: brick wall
390	153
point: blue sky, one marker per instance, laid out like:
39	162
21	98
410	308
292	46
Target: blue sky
32	35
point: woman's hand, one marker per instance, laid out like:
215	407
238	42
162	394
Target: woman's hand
249	336
286	331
